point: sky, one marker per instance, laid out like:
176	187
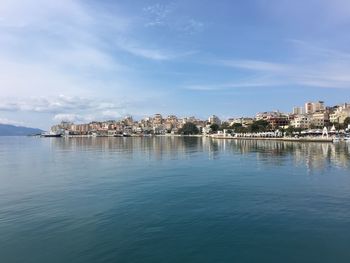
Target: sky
85	60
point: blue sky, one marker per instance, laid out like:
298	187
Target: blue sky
96	60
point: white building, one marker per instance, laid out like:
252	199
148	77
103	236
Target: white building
312	107
244	121
340	114
301	121
214	120
298	110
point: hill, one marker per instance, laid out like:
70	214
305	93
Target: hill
11	130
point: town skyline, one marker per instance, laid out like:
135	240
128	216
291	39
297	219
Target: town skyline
312	115
85	60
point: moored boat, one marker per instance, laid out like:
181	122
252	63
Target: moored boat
51	135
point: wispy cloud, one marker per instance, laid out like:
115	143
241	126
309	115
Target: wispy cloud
65	108
157	14
312	66
55	46
157	54
85	118
10	122
255	65
70	117
58	104
167	15
234	84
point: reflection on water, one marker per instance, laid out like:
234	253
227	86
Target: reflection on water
315	156
173	199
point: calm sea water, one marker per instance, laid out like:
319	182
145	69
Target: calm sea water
173	200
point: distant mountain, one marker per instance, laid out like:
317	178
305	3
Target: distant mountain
11	130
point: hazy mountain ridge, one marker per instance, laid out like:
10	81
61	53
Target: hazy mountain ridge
12	130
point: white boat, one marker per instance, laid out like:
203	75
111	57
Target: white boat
51	135
126	134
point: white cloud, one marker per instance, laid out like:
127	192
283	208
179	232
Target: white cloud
258	82
151	53
48	47
11	122
255	65
311	67
85	118
110	114
168	15
69	117
157	14
60	104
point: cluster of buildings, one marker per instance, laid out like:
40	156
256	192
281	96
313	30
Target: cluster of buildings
156	125
317	115
313	115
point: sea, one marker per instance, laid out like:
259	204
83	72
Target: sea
173	199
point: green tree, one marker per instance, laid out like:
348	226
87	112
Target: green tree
337	126
259	126
238	128
189	128
224	126
346	122
241	129
214	127
236	125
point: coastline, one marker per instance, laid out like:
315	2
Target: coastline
285	139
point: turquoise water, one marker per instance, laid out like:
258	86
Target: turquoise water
173	200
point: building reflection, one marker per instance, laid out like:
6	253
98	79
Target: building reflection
315	156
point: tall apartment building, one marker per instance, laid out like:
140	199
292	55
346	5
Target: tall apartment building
298	110
320	119
312	107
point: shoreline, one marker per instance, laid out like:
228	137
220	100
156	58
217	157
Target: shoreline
283	139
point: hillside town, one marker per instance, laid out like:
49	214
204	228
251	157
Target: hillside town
312	118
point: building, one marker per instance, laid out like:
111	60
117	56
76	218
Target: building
266	115
320	119
279	121
206	129
244	121
214	120
340	114
298	110
80	128
63	126
312	107
171	122
128	120
157	120
301	121
276	119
